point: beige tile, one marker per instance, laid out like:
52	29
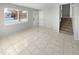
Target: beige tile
39	40
10	51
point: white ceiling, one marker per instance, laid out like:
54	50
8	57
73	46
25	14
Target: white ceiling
36	5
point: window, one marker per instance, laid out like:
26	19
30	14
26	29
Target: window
23	16
14	16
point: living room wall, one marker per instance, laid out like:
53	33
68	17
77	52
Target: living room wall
10	29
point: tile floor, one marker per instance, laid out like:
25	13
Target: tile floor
39	41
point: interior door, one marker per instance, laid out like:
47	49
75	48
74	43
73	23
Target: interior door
35	18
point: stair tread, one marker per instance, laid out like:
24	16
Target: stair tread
67	31
70	30
61	31
70	27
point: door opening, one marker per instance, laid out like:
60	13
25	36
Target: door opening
65	19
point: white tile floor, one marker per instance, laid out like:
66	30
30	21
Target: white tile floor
42	41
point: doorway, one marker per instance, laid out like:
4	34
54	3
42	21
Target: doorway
66	19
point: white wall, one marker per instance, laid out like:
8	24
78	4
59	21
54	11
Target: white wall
41	15
75	18
49	17
71	10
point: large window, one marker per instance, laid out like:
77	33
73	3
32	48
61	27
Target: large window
14	16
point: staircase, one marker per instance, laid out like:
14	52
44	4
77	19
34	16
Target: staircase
66	25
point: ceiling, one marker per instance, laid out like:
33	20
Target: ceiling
36	5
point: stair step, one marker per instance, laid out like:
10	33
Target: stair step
66	29
66	25
61	31
66	22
